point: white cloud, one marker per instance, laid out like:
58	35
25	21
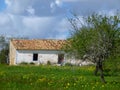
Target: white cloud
109	13
72	0
8	2
53	6
45	27
4	19
17	6
58	3
31	10
35	23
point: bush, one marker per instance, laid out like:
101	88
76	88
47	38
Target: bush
112	66
4	56
48	63
68	64
32	63
23	63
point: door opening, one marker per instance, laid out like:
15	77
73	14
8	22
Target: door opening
60	58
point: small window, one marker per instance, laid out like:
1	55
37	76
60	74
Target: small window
35	57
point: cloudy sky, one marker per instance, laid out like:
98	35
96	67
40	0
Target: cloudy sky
47	18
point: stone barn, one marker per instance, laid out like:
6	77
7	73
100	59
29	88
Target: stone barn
36	51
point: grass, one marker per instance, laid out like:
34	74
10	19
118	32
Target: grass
54	78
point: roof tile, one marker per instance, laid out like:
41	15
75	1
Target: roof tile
40	44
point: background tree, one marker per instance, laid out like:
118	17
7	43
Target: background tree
97	39
4	50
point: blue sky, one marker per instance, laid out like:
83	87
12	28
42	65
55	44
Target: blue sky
47	18
2	5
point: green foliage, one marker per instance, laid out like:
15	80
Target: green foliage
4	56
68	64
98	38
112	66
24	63
53	78
32	63
48	62
4	50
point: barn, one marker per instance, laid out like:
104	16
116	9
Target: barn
38	51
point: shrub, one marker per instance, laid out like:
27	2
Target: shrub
32	63
23	63
48	63
68	64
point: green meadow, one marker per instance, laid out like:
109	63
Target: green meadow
31	77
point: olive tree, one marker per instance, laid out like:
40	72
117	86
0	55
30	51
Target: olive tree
96	39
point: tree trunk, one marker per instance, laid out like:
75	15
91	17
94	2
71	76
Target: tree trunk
96	69
101	74
99	67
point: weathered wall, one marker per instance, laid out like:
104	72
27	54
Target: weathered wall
43	56
12	54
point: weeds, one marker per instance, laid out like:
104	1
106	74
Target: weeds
54	78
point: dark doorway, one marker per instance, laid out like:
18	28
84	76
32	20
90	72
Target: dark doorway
35	57
60	58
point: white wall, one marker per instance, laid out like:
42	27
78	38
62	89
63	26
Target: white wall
43	56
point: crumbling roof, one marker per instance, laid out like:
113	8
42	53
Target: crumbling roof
44	44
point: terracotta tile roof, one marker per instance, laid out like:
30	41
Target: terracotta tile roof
44	44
